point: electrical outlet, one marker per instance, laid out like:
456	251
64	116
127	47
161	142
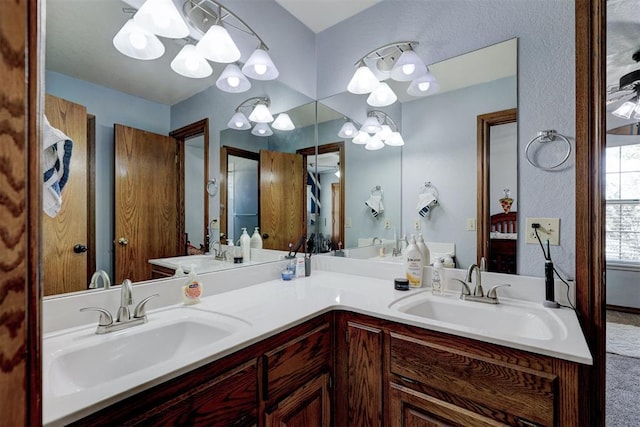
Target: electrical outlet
347	222
471	224
417	225
387	224
549	229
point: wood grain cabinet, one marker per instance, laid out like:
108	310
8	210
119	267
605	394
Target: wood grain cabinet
308	406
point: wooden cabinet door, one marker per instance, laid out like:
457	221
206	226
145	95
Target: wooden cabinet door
306	407
411	408
365	377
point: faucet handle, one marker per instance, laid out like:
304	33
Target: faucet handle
140	310
493	293
465	288
105	317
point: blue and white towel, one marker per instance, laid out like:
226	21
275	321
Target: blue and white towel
55	163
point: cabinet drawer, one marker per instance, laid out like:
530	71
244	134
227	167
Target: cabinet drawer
227	400
508	388
294	363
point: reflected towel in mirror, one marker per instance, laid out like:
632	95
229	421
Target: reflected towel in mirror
375	204
56	158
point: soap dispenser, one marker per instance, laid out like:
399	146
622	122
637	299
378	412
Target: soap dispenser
245	244
413	264
424	249
256	239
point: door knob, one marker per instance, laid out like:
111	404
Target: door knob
80	248
265	236
123	241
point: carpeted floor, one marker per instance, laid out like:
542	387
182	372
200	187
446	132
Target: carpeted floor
623	370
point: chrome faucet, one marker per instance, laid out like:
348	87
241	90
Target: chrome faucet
124	318
478	292
218	253
373	241
100	274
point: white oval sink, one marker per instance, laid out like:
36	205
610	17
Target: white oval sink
504	319
201	263
81	359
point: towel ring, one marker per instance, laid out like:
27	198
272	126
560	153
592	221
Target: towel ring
429	188
544	137
212	187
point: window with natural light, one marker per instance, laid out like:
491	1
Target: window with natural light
623	204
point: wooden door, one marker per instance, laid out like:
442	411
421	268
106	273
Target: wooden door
364	365
282	199
308	406
336	218
147	201
65	270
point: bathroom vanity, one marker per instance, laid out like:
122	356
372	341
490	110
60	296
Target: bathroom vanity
333	349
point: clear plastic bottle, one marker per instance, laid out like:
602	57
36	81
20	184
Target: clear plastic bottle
437	278
413	264
245	244
256	239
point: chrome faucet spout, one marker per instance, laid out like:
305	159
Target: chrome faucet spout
100	274
126	300
477	290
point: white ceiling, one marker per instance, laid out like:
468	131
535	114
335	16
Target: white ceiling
318	15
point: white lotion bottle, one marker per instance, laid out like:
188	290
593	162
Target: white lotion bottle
424	249
245	244
256	239
413	264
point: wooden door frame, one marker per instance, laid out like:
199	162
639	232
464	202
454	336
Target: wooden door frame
225	152
201	127
323	149
590	60
485	122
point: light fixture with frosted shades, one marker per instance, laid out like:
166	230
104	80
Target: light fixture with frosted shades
371	125
283	122
374	143
232	80
261	129
239	121
189	63
626	110
348	130
398	61
361	138
394	140
162	18
136	42
260	115
377	131
210	28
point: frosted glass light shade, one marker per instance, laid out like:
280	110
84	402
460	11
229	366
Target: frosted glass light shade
239	121
259	66
374	143
625	110
363	81
189	63
408	67
348	130
361	138
423	85
371	125
283	122
261	114
217	46
395	140
384	133
135	42
261	129
162	18
232	80
382	96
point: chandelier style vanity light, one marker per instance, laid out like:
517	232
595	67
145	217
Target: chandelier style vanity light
261	116
396	61
377	131
203	26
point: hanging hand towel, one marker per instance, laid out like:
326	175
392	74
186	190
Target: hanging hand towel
56	157
426	202
375	204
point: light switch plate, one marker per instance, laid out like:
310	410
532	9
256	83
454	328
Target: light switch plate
347	222
387	224
471	224
549	229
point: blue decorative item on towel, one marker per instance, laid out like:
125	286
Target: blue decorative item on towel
56	159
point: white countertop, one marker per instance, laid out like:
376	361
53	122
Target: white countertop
276	305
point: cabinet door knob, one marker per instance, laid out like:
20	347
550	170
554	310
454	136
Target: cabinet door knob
80	248
265	236
123	241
